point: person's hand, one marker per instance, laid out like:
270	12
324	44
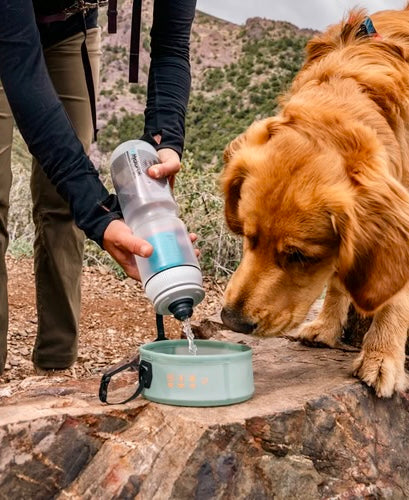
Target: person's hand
122	245
169	165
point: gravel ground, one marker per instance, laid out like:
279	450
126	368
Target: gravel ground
116	318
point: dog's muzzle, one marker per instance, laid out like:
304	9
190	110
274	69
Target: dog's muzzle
236	322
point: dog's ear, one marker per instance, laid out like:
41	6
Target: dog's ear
235	171
257	134
232	148
335	36
261	131
374	249
317	48
232	179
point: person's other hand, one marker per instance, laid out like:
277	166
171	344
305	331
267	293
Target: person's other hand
122	245
193	238
169	165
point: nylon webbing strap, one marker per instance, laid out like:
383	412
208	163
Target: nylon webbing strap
160	328
135	36
89	79
112	16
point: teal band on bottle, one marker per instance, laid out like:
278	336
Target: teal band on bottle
166	251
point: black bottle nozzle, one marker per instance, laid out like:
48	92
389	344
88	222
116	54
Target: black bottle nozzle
182	309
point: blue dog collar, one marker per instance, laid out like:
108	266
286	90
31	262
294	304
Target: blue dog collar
366	29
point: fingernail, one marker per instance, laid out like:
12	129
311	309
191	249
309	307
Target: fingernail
145	250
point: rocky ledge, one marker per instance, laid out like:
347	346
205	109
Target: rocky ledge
310	431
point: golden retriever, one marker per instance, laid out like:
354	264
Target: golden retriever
319	194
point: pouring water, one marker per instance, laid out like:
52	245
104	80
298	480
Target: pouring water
187	330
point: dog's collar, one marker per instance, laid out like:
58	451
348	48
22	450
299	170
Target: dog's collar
367	29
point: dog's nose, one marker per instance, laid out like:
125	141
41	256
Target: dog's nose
236	322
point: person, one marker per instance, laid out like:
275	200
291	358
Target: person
45	90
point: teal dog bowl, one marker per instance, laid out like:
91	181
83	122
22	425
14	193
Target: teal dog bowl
221	373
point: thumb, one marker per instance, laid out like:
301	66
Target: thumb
135	245
118	236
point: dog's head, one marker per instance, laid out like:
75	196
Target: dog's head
307	209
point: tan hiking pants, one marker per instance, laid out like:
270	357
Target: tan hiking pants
58	245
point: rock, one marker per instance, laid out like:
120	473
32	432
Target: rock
5	392
310	431
208	328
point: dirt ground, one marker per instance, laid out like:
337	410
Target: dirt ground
116	318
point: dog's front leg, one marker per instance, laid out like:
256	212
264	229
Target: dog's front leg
327	328
381	362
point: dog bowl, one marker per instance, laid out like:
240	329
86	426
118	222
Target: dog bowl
221	373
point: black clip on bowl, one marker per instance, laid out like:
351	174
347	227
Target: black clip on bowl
133	364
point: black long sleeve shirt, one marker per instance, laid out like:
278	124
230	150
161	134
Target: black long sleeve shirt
46	127
44	123
169	73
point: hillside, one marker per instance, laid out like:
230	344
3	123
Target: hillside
237	73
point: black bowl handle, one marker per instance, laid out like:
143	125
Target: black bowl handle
145	378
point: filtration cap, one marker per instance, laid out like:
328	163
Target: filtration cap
182	309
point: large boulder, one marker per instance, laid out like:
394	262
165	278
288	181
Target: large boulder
310	431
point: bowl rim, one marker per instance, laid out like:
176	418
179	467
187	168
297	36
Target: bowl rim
233	351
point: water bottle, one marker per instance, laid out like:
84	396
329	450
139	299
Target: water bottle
171	276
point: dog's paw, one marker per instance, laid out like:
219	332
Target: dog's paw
317	333
384	372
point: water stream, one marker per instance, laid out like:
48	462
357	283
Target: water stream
187	330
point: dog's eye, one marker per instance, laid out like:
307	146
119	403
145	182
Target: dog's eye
295	256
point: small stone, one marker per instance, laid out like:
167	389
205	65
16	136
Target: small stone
5	392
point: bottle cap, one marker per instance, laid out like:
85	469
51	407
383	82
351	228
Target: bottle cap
176	284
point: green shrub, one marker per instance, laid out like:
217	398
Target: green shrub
138	89
130	126
200	201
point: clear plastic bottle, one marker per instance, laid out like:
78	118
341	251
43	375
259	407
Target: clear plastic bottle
171	276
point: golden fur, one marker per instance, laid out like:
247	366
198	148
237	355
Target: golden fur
319	194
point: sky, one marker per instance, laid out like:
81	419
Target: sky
316	14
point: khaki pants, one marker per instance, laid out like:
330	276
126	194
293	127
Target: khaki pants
58	245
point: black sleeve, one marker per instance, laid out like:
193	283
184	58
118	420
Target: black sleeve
169	73
44	123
